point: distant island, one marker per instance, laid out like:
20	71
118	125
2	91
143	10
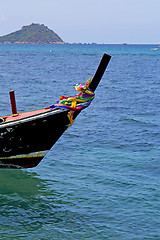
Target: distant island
34	33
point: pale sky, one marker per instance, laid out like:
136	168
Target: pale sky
87	21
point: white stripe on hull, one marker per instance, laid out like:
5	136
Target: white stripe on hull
29	155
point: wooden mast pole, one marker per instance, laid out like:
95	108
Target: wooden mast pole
13	102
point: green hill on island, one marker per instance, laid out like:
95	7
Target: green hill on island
34	33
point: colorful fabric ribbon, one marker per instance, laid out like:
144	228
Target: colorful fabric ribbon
70	103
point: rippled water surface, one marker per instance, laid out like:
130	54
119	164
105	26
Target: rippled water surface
101	180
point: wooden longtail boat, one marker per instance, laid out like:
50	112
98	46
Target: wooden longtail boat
25	138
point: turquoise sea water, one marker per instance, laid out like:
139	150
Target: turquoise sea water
101	180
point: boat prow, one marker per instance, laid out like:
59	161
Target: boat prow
25	138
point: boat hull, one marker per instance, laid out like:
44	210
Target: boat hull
24	142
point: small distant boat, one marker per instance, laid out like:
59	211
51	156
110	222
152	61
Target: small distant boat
25	138
154	49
